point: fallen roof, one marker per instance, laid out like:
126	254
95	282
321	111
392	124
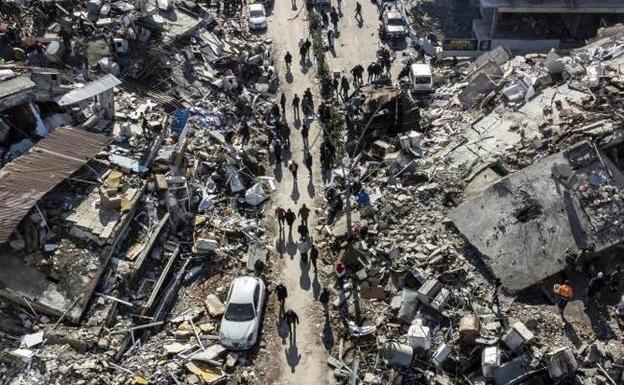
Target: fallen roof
28	178
525	224
89	90
493	134
15	85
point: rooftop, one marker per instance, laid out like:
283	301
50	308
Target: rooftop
15	85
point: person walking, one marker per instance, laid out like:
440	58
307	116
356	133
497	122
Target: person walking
495	295
283	104
307	44
371	71
564	293
339	2
304	213
292	319
288	61
282	293
302	53
293	4
293	167
314	254
280	215
594	287
357	72
286	134
307	94
303	236
324	19
275	111
336	85
355	77
333	15
277	149
307	158
358	11
324	159
295	105
305	130
324	300
290	218
330	39
344	84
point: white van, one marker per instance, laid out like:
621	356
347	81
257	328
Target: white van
421	78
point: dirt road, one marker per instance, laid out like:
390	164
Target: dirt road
304	363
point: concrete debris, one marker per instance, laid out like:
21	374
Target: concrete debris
214	305
466	230
30	340
463	228
160	186
176	348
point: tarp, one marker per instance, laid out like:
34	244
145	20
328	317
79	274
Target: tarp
255	195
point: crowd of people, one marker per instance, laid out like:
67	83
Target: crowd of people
304	110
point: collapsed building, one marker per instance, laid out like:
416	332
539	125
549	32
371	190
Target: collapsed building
529	224
128	206
510	183
124	176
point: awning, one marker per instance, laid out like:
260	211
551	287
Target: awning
89	90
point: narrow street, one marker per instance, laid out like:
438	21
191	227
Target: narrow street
356	44
304	362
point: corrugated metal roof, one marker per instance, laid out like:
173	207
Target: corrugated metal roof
89	90
28	178
15	85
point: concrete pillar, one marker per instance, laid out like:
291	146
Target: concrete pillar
106	100
494	22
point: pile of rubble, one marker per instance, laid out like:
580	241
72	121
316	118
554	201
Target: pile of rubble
452	233
147	143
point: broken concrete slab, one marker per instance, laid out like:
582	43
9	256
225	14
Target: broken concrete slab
506	222
176	347
209	354
215	307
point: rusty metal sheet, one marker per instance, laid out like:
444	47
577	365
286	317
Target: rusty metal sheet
28	178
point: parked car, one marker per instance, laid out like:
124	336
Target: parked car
243	313
421	79
392	25
257	17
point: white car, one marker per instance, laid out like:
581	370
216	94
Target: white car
257	17
243	313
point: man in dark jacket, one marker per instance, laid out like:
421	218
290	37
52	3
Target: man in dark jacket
290	219
282	293
304	213
314	254
292	319
594	286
